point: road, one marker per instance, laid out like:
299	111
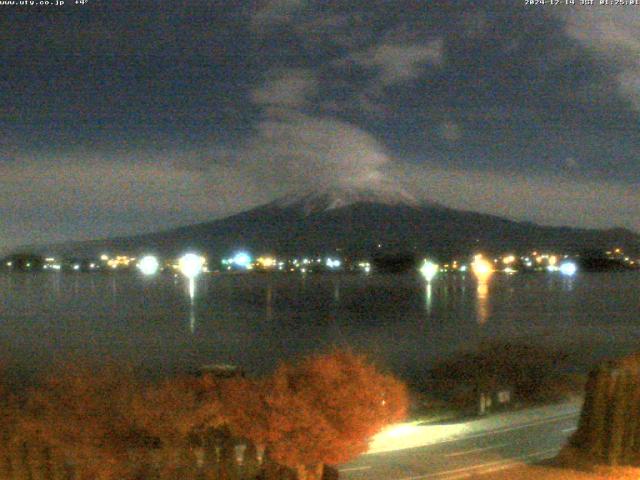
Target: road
475	448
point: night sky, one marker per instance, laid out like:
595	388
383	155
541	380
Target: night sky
126	117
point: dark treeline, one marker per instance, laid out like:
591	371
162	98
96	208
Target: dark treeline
531	374
83	423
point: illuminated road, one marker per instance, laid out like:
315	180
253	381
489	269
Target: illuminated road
475	449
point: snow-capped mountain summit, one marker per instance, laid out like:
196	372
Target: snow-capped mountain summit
321	200
358	222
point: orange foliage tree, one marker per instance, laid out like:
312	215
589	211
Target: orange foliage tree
321	410
173	412
82	414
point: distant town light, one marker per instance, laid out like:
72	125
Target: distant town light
333	263
481	268
242	259
266	262
509	259
190	265
568	268
429	270
148	265
366	266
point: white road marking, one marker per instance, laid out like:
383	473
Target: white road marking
481	469
489	467
354	469
521	426
474	450
542	455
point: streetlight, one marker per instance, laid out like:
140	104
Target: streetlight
482	269
429	270
191	265
568	268
148	265
242	259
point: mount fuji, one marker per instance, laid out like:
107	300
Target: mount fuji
357	222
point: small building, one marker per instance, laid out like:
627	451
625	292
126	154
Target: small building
493	399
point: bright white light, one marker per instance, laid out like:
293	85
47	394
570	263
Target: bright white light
333	263
429	270
412	435
76	267
149	265
242	259
568	268
190	265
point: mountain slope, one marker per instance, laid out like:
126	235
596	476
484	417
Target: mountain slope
358	223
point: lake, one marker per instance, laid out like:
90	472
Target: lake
254	320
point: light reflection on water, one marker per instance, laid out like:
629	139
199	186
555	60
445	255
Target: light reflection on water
428	297
254	320
482	302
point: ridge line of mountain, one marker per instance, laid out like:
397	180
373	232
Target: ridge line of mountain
355	225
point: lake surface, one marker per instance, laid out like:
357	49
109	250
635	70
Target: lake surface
254	320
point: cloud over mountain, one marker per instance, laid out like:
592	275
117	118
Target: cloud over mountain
614	35
170	115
